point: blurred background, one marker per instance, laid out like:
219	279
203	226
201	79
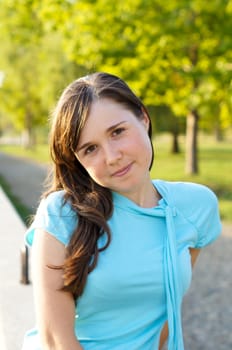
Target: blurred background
176	55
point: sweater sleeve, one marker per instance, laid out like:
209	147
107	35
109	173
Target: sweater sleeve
55	217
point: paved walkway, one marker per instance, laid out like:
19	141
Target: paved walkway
16	300
25	177
16	304
207	311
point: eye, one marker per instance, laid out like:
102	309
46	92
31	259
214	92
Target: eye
118	131
90	149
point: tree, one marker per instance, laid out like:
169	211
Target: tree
19	29
217	115
167	51
34	65
172	53
164	120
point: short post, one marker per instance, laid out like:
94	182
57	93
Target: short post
24	259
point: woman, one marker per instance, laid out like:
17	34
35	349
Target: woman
112	249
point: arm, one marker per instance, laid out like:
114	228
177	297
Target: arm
164	334
194	255
55	309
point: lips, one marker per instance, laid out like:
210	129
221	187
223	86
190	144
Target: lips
122	171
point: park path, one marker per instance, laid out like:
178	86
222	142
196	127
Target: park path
207	309
25	177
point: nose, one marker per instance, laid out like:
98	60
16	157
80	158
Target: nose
112	153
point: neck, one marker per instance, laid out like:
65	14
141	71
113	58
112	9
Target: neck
148	197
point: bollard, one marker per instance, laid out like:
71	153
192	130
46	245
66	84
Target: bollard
24	257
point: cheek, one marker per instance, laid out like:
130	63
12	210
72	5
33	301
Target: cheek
94	173
143	146
94	169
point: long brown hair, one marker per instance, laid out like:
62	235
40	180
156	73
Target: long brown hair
91	202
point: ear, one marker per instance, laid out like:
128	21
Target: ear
145	120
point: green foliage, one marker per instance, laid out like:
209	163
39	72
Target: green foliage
176	53
34	65
19	40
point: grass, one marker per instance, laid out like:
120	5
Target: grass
39	153
215	166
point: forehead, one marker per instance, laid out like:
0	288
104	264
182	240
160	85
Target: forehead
105	112
105	105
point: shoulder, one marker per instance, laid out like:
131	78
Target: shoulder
186	195
197	204
55	216
56	205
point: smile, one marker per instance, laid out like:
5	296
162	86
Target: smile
123	171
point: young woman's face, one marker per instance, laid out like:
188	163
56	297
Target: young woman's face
114	147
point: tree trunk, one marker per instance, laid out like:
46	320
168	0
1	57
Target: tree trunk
191	164
175	143
28	139
218	133
175	140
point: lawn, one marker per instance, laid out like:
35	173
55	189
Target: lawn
39	153
215	168
215	165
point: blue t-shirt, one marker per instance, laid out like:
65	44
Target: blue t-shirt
141	278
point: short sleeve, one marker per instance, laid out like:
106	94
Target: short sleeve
198	206
55	217
205	216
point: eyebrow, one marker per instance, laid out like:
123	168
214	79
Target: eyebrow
112	127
